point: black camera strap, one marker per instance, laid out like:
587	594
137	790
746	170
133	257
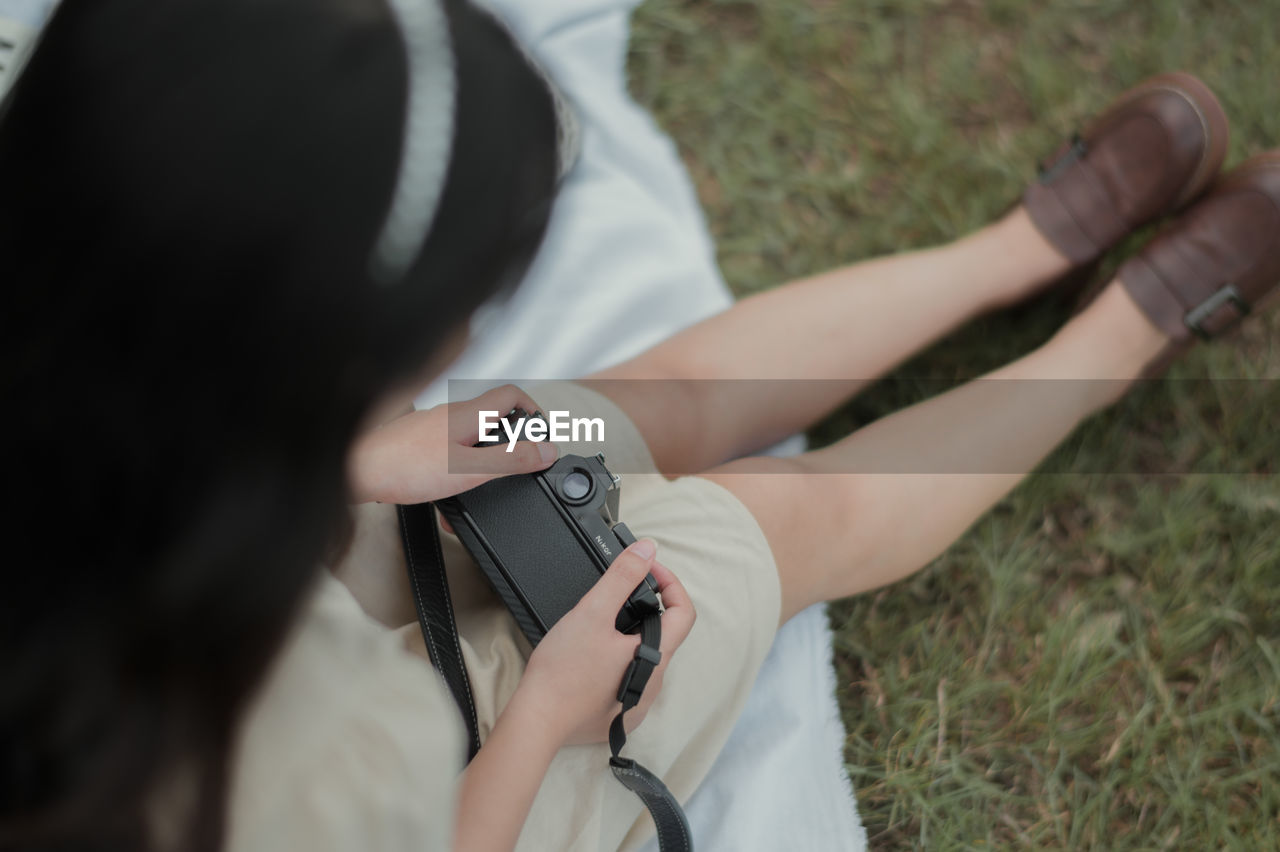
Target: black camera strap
435	609
668	816
440	631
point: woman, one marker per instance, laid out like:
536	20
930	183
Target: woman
254	207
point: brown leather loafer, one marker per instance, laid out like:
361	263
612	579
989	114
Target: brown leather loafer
1155	148
1218	262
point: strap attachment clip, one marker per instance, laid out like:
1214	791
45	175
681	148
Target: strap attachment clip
637	675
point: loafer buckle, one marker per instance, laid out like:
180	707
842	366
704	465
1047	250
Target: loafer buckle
1074	153
1226	295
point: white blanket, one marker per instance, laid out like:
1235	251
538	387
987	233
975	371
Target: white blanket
628	261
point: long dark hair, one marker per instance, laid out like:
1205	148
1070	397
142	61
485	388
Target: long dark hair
189	195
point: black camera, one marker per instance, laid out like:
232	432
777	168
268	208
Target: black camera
544	539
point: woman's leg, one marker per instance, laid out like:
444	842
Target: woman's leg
807	346
887	499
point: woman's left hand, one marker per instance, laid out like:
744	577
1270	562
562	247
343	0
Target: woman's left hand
571	682
407	460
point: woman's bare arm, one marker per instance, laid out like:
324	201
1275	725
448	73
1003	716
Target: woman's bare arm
499	786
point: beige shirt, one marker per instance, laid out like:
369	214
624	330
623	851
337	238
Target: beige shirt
354	744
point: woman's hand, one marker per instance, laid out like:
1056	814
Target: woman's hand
407	460
572	679
569	694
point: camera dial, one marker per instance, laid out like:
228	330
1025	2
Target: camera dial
576	486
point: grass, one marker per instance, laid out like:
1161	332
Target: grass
1096	664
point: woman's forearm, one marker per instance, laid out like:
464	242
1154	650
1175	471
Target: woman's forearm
499	786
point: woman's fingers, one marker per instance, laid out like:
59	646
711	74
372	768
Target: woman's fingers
488	462
627	571
673	592
471	467
464	420
677	621
679	614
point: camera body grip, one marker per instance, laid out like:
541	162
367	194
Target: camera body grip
542	540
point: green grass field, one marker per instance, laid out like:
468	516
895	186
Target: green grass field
1097	663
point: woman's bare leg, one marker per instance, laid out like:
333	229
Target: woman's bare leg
809	345
908	485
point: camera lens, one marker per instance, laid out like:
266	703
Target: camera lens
575	486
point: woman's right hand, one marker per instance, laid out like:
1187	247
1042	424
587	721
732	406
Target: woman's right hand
573	675
408	459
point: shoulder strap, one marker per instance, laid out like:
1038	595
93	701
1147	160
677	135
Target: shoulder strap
435	609
435	616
